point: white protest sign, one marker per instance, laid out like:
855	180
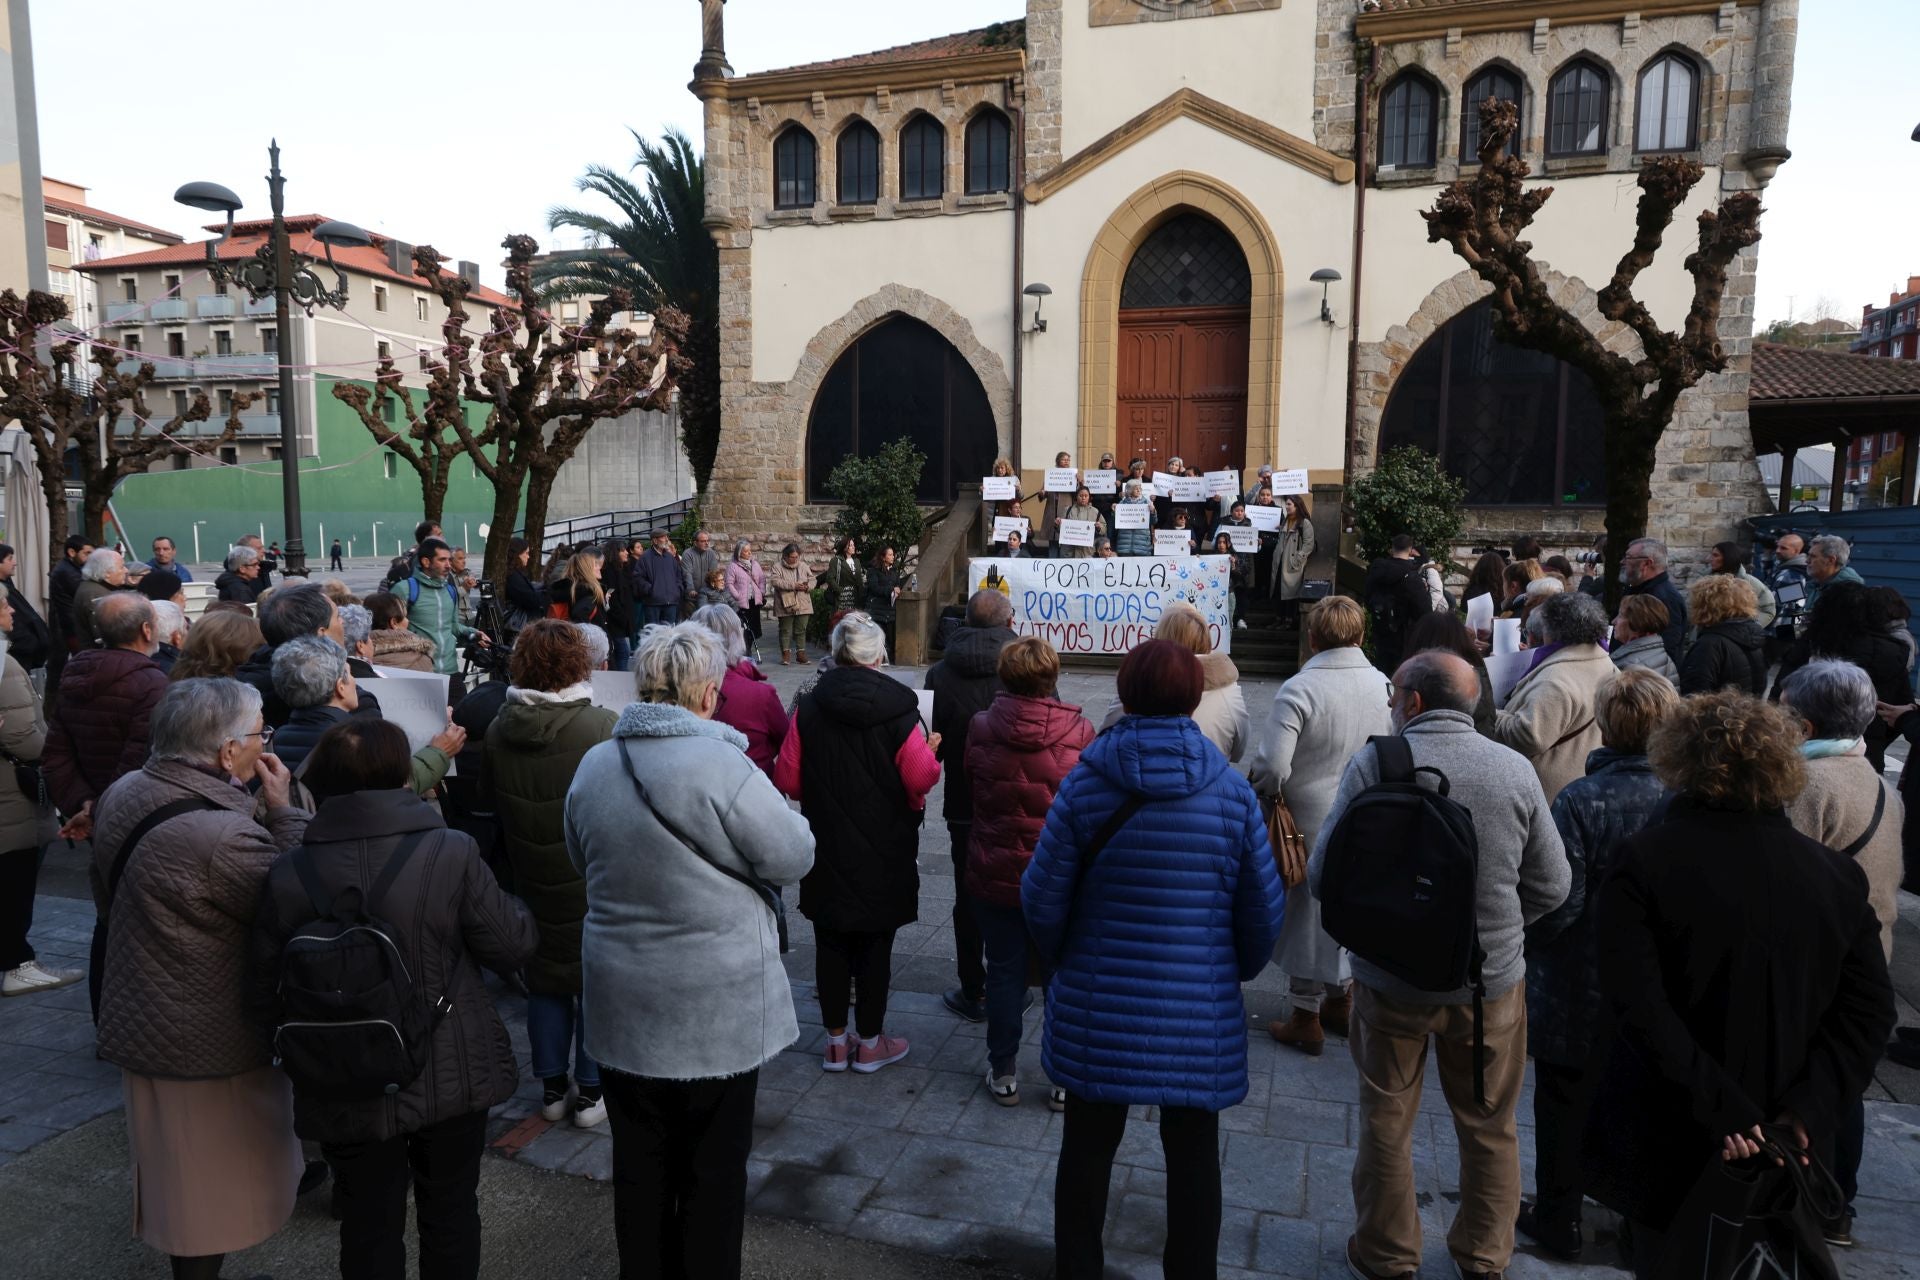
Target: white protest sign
1004	525
1504	671
1163	482
1103	481
925	698
1290	482
418	705
402	673
1132	515
1245	537
1076	533
1062	480
612	689
1480	614
1172	542
1189	489
999	488
1506	636
1223	484
1266	519
1109	606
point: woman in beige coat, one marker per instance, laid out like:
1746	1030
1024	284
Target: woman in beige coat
24	830
1549	716
792	585
1222	713
1291	555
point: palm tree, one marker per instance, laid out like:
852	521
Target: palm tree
656	247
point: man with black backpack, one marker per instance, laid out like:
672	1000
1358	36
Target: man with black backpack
1437	853
1396	597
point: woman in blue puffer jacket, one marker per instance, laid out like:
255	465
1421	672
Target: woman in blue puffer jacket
1149	936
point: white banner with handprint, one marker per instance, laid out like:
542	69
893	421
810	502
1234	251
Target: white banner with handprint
1107	606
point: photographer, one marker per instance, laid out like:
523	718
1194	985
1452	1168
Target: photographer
1789	583
433	609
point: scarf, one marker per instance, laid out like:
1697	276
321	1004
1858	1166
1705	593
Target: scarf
572	693
1824	748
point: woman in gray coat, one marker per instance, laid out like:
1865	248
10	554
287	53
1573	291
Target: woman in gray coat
1324	714
24	830
683	991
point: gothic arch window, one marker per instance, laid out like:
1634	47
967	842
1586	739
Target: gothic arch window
1493	81
1189	261
902	379
923	159
1577	110
1519	427
1409	122
794	165
1669	105
858	162
989	154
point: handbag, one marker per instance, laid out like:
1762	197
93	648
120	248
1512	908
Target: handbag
1289	846
32	782
1761	1217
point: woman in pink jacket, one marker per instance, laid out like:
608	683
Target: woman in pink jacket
747	584
747	701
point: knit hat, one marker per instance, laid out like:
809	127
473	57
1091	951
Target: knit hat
160	584
1160	678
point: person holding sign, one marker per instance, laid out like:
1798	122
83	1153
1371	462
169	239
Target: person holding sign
1062	481
883	589
1104	501
1240	575
1008	506
1083	511
1290	558
1183	523
1133	520
1015	549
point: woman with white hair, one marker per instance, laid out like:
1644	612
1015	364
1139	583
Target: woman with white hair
599	648
170	629
860	765
241	582
683	992
1134	542
104	571
748	702
1549	716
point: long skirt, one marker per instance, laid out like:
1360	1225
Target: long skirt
215	1162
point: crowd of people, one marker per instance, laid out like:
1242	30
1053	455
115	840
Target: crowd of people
298	911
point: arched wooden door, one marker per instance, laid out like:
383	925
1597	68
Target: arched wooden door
1184	342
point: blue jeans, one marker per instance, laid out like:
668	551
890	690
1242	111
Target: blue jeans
620	652
1003	931
664	614
555	1027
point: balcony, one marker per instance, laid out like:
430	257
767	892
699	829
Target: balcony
213	306
258	307
163	366
253	426
127	313
238	365
168	309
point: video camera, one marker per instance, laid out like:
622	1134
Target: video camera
496	657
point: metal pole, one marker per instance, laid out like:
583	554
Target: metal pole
294	561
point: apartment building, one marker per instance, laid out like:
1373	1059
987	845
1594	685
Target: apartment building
79	233
1893	332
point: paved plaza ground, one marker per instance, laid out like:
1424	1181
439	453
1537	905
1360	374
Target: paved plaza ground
916	1158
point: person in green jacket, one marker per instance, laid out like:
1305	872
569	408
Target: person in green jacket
534	746
433	608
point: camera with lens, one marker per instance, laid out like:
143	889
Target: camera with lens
1590	557
496	657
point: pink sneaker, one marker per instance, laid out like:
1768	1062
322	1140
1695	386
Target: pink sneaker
838	1055
878	1052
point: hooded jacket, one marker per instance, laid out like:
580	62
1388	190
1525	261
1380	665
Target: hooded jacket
1222	714
1018	752
964	684
1149	945
750	704
99	728
1549	716
451	918
407	650
1726	655
1649	652
433	612
534	748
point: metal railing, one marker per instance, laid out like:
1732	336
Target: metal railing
260	306
213	305
238	365
163	366
613	524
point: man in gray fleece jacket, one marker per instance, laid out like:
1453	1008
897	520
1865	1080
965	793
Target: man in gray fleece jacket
1523	876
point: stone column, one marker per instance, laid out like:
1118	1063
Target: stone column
710	86
1779	26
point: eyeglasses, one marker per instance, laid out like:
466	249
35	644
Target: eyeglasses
265	734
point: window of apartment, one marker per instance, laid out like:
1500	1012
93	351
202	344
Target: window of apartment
389	411
223	342
56	235
858	154
130	288
989	154
379	297
230	455
795	158
177	344
94	242
219	288
132	340
226	403
569	311
420	306
180	403
923	160
273	400
383	350
1490	82
59	280
1669	101
1577	110
1408	121
270	342
391	462
182	460
173	284
426	359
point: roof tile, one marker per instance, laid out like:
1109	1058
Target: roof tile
1782	373
998	35
88	213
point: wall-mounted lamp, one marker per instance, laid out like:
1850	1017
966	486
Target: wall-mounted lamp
1039	293
1325	277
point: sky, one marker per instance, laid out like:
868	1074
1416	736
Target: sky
458	133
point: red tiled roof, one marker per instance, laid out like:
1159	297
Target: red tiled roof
998	35
1397	6
1784	374
247	237
88	213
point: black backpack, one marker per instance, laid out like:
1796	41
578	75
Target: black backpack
1399	881
353	1025
1393	606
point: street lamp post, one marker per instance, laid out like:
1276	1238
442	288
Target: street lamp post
275	268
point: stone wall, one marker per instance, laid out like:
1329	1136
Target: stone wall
1113	13
1045	37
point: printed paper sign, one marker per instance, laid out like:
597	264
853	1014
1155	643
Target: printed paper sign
1189	489
1480	614
418	706
612	689
999	488
1506	636
1076	533
1103	481
1504	671
1290	482
1223	484
1062	479
1163	482
1172	542
402	673
1108	606
1246	538
1132	515
925	697
1004	525
1266	519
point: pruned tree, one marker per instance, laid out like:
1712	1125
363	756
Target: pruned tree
1482	218
428	440
106	419
544	385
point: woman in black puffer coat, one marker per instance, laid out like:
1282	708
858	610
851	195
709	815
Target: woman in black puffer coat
1731	650
450	917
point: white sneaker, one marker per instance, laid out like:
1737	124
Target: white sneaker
1240	625
1005	1089
30	977
588	1112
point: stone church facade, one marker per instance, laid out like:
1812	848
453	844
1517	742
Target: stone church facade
1175	180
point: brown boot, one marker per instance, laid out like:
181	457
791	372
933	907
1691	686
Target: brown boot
800	656
786	657
1335	1011
1302	1032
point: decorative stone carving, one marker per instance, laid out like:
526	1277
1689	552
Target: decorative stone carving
1114	13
